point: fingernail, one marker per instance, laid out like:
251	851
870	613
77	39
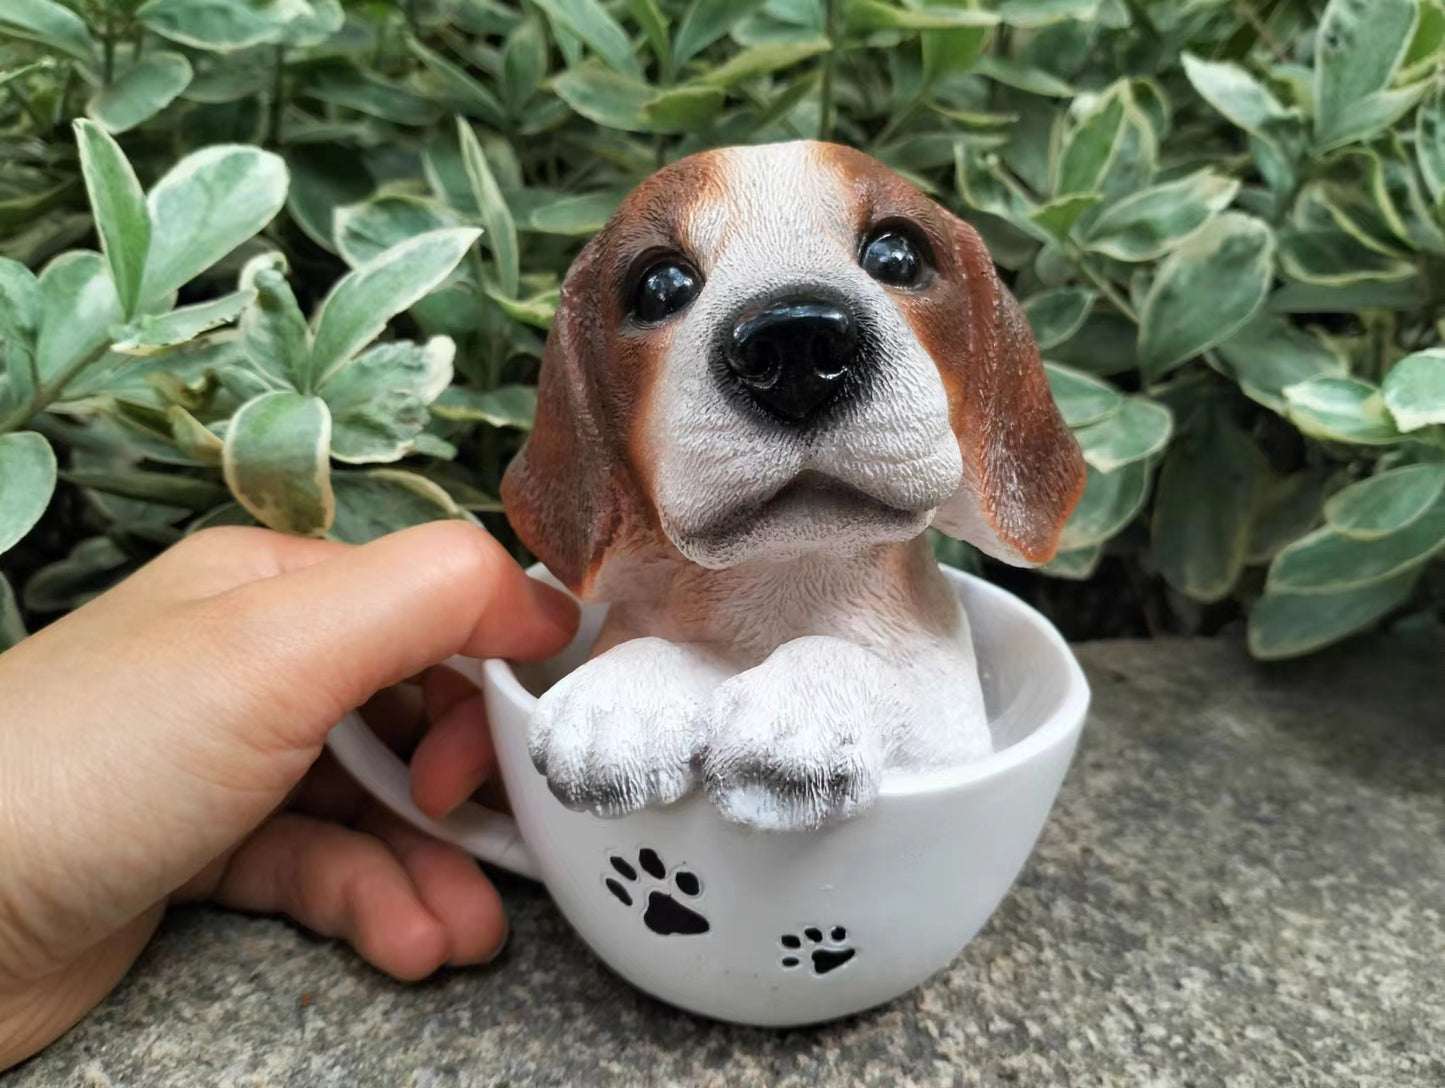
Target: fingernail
560	609
502	944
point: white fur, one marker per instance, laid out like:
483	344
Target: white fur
622	731
809	670
785	232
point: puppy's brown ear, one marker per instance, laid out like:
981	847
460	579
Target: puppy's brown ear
1023	471
559	491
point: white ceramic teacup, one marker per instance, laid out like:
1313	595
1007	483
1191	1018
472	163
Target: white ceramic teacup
773	928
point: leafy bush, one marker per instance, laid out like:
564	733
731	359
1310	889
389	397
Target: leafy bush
1224	218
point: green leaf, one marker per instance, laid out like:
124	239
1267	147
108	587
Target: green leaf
12	623
1357	48
1239	97
462	92
654	25
307	29
704	23
1082	398
1205	291
1269	353
950	52
1348	298
344	84
1386	502
604	97
683	109
194	438
20	309
1012	73
92	567
1037	13
27	479
1330	257
1058	217
508	406
1202	508
1430	140
1328	561
863	15
983	185
1139	429
215	25
230	513
275	335
500	230
78	308
142	91
1428	38
371	504
1146	225
1286	508
1089	145
761	60
524	61
1284	625
1372	115
206	206
1056	315
1111	500
1341	409
379	399
571	216
152	335
536	311
49	24
1414	390
364	231
119	207
276	462
165	488
324	178
1105	344
365	299
590	21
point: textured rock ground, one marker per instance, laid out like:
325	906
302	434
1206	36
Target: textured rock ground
1243	884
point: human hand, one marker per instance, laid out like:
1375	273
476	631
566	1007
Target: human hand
155	746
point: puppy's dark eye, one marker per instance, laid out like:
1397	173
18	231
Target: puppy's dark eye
665	288
891	257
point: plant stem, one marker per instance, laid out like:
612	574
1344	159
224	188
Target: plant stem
108	52
1108	290
830	63
278	101
42	396
61	110
26	105
897	120
1246	9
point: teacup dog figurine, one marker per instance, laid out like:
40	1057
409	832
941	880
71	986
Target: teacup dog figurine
768	374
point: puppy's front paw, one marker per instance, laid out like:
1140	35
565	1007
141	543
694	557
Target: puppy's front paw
621	732
798	741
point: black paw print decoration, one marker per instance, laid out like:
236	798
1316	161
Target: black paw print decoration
823	953
667	913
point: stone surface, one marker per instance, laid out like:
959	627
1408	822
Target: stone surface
1243	884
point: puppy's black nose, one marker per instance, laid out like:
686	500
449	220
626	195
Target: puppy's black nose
792	357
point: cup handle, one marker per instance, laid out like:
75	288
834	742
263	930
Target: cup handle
489	835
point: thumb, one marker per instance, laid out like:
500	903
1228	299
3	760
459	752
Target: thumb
322	637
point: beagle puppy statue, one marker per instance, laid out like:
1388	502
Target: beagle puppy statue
768	374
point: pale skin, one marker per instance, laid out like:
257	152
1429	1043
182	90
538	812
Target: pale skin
163	744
